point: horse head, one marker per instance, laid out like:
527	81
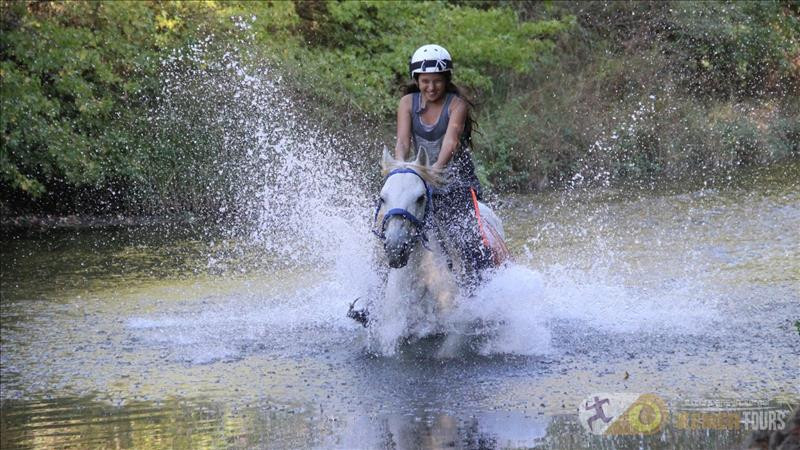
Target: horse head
405	206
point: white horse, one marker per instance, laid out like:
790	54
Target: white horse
420	288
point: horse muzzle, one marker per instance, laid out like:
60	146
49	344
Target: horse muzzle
398	253
400	230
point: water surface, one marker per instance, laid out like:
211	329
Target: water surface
154	337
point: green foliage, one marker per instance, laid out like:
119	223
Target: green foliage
713	48
76	77
738	48
649	89
598	90
65	68
360	51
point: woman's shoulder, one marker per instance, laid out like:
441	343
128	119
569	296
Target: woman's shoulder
456	98
405	101
457	102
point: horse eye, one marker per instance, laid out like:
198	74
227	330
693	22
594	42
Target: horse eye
420	199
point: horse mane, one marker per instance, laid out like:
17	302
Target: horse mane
432	176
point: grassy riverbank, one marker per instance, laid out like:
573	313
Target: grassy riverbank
576	92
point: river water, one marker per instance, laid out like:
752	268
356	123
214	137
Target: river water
159	337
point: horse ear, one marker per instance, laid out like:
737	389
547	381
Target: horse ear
422	157
386	159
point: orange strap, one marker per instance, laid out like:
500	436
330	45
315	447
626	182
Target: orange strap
478	216
500	253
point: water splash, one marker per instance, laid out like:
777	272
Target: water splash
302	200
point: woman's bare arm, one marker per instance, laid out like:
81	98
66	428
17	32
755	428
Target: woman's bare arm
403	128
458	114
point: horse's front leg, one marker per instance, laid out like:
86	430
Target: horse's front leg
440	286
360	308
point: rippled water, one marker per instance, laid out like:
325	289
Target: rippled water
151	337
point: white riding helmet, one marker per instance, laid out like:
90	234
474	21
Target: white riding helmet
430	58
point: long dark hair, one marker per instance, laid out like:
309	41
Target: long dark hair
469	123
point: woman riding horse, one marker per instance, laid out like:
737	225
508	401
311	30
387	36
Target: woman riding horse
434	116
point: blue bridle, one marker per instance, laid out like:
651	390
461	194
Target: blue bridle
419	224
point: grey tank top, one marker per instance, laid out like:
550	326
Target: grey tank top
460	171
429	137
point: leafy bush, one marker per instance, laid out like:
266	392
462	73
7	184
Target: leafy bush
80	77
75	76
360	50
649	89
738	49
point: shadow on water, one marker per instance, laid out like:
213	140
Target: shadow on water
187	423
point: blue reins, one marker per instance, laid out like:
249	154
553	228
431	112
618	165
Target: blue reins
419	224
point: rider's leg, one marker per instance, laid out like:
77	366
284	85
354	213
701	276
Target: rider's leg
454	211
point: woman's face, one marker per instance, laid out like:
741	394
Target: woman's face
432	85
